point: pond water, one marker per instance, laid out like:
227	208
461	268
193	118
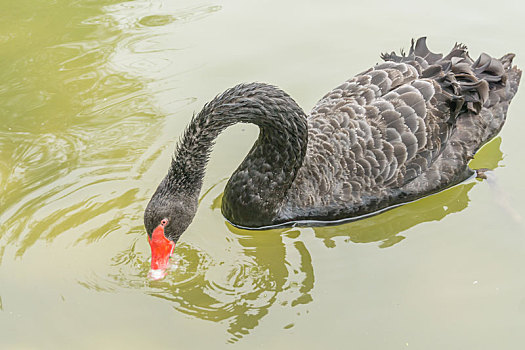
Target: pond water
94	95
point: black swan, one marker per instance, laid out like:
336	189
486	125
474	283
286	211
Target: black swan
401	130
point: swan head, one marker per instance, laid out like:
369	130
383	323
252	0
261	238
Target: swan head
166	217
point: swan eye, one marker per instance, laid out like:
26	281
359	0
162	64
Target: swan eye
164	222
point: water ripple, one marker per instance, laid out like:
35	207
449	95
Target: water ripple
76	134
236	290
83	135
156	20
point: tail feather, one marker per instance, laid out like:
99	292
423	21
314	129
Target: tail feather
480	91
485	82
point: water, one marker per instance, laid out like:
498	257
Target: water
93	96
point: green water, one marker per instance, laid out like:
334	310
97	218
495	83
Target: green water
93	95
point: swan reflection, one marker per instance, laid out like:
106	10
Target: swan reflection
388	226
259	271
238	290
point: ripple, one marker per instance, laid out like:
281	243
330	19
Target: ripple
183	15
188	266
77	152
156	20
69	156
237	290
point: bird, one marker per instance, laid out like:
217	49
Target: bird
401	130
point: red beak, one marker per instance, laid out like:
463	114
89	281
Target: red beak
161	250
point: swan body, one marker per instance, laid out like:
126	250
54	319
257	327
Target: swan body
401	130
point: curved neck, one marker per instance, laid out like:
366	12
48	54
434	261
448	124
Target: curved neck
258	186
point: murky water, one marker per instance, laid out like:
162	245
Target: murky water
93	95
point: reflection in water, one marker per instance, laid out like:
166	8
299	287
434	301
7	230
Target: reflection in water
386	227
273	268
78	117
73	120
193	14
238	290
268	269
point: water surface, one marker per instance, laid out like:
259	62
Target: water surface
93	96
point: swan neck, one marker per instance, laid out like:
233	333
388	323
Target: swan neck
271	165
